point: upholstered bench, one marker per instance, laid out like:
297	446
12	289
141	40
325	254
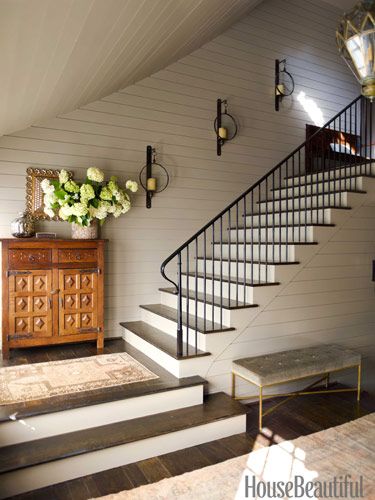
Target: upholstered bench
287	366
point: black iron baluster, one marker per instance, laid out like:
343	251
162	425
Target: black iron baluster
187	299
370	132
213	276
237	254
259	231
266	231
252	236
221	271
281	215
273	222
179	307
287	213
244	253
204	279
229	255
196	295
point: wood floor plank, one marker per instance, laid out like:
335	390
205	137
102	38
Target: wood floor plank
135	475
185	460
153	469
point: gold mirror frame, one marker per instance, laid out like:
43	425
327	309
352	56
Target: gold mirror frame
34	193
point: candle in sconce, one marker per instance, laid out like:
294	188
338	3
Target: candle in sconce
223	133
151	184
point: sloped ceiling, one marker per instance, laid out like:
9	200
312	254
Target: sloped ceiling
57	55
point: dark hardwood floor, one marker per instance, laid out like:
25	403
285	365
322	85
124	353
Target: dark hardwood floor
297	417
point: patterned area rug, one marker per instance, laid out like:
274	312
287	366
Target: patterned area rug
58	378
320	457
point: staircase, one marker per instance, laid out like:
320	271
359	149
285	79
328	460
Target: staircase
222	277
218	283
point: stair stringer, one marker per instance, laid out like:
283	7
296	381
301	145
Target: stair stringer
243	343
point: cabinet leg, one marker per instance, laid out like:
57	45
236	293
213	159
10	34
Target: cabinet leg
5	352
100	343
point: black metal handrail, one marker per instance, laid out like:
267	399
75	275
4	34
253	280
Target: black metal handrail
354	123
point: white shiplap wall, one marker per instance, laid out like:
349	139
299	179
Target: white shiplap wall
174	110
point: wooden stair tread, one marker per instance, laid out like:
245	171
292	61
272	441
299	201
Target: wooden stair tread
216	407
280	226
225	279
322	181
171	314
255	262
314	195
308	210
226	303
161	340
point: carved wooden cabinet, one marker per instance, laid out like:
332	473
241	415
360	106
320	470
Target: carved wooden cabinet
52	292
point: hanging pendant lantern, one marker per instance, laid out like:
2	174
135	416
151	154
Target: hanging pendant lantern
355	37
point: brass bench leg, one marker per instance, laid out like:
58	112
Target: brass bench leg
260	407
233	386
359	383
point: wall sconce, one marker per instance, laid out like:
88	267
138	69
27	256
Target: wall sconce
225	125
153	177
284	82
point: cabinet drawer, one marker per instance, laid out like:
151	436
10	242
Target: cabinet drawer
78	255
29	258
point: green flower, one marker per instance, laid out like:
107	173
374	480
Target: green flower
87	192
79	209
65	212
113	186
95	174
63	177
71	187
106	193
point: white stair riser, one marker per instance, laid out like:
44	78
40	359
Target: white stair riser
341	172
214	287
316	216
39	476
317	201
266	253
352	183
178	368
198	308
76	419
254	271
170	327
271	234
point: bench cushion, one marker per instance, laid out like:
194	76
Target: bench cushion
298	363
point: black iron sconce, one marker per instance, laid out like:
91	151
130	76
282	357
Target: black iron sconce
225	125
284	82
153	177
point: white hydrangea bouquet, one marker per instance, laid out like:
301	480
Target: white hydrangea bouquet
85	203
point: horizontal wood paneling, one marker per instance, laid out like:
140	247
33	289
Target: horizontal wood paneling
174	109
330	300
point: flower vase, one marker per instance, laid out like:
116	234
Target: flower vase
85	232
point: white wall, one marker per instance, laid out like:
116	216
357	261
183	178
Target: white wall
174	110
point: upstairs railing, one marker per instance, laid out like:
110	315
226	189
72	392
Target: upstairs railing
217	266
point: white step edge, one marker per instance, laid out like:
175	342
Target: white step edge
40	476
51	424
178	367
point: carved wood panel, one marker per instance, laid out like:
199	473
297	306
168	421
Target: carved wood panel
28	258
78	301
77	255
30	311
